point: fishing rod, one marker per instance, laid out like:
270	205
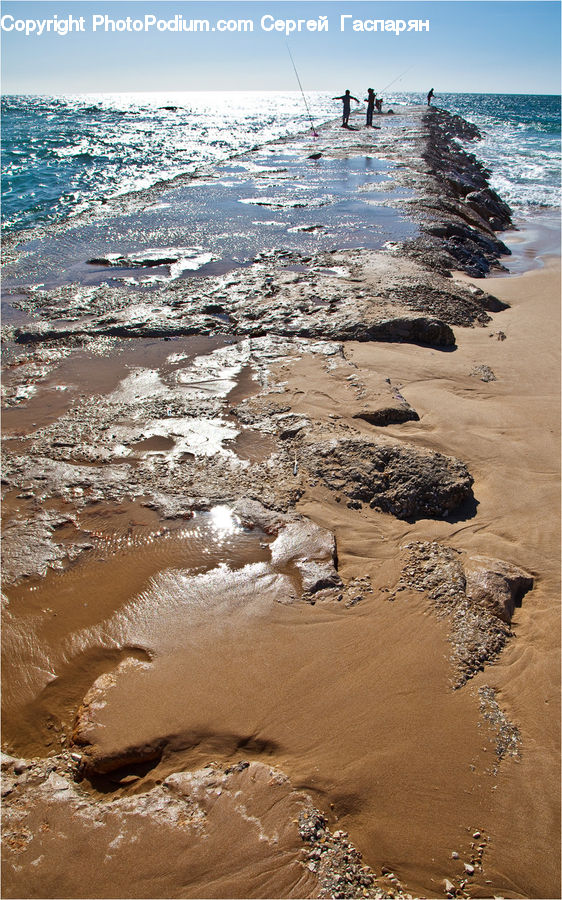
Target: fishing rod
398	77
314	132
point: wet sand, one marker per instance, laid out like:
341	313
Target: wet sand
186	640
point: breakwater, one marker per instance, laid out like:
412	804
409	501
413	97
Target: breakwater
259	581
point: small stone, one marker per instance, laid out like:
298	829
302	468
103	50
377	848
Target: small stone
57	783
476	835
237	767
454	854
449	886
7	762
469	869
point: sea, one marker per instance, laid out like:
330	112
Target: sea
63	155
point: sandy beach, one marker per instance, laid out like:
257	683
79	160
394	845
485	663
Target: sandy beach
282	556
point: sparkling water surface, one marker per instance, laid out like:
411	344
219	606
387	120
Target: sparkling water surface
62	155
520	144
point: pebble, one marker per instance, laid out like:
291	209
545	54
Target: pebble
57	783
476	835
469	869
7	761
449	886
454	854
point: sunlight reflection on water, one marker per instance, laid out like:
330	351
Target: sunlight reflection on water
224	522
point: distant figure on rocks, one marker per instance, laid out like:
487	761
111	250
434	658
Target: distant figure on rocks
430	97
370	98
378	104
347	98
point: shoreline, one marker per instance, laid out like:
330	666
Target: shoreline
536	240
336	637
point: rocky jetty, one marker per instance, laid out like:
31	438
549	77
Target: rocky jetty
207	481
464	212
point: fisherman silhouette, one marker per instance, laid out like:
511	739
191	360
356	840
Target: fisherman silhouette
370	98
347	97
378	104
430	97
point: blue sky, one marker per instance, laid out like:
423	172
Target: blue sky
494	46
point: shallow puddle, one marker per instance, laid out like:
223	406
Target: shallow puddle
62	631
229	221
84	373
252	445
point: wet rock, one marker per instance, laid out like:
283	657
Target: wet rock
290	425
462	209
496	585
311	550
396	478
477	634
29	546
252	513
457	310
186	257
7	762
491	207
414	330
302	541
464	248
388	415
387	300
317	576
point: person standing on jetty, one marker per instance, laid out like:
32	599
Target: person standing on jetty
347	98
430	97
370	98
